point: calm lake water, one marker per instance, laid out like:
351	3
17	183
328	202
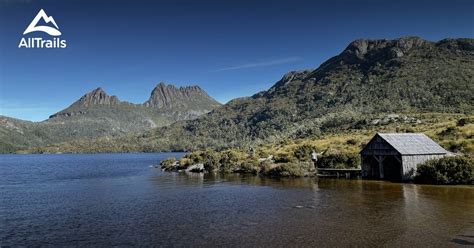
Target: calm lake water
119	200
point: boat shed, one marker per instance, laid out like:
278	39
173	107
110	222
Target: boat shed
395	156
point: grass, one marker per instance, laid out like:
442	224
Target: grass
340	148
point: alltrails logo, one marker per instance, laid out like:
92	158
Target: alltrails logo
38	42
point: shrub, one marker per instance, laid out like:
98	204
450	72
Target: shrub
336	122
286	169
211	161
229	161
352	141
339	161
454	147
448	131
262	153
250	166
195	157
266	166
284	157
303	152
291	169
462	122
447	170
184	163
168	163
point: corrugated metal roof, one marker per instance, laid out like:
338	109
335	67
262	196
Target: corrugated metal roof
412	143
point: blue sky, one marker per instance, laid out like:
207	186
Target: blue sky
230	48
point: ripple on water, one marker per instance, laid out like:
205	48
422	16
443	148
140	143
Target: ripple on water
118	200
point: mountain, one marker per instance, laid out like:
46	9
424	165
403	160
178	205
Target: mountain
369	77
185	98
166	104
98	114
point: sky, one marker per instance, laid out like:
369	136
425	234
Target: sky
231	48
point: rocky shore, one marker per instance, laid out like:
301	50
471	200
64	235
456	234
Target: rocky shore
233	162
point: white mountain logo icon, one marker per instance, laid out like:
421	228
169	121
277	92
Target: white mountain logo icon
47	29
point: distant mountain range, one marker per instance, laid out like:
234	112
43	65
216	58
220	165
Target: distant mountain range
369	77
408	75
98	114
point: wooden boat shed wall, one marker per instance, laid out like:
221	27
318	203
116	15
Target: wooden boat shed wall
395	156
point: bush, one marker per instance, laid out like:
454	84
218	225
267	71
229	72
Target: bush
211	161
195	157
303	152
339	161
454	147
336	122
447	170
462	122
449	131
229	161
284	157
184	163
291	169
352	142
168	163
250	166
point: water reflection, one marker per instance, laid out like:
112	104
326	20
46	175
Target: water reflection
209	180
118	200
346	212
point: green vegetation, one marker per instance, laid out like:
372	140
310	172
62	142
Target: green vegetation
239	161
340	148
168	163
339	161
344	142
97	114
289	169
447	170
337	106
348	90
403	85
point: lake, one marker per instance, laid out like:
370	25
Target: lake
121	200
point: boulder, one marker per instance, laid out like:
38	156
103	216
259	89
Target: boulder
195	168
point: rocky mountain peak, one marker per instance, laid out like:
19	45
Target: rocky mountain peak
458	46
97	97
364	49
168	96
94	98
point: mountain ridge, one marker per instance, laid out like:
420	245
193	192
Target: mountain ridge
169	96
368	78
164	97
97	113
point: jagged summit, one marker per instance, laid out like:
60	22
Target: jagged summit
185	90
186	102
168	96
97	97
367	55
98	114
360	53
362	49
369	77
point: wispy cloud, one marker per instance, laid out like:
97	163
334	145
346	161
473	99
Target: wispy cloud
260	64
